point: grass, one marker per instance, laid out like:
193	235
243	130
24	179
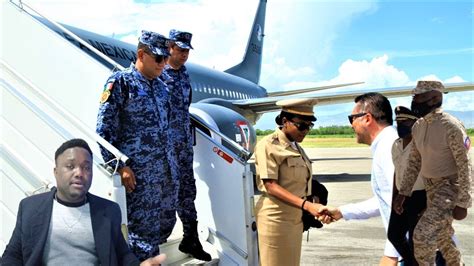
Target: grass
328	141
334	141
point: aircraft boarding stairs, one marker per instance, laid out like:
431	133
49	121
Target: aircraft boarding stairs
50	92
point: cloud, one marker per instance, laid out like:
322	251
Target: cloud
455	79
376	73
220	28
421	53
299	47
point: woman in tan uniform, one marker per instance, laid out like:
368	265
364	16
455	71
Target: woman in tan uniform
284	178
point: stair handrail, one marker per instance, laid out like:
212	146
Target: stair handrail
242	154
112	62
39	184
119	156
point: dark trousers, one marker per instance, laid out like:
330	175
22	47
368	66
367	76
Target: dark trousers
399	225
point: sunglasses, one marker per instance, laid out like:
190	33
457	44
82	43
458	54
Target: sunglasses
351	117
302	126
158	58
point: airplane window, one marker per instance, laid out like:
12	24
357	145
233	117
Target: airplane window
214	90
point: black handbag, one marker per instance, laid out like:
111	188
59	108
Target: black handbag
319	194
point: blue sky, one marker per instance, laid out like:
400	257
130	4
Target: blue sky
307	43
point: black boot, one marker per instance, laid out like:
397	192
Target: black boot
190	243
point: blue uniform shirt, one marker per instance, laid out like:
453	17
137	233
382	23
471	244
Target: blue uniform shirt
134	115
179	84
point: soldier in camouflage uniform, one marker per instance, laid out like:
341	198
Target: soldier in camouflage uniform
133	117
181	150
440	154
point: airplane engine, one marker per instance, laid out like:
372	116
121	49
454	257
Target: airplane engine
228	122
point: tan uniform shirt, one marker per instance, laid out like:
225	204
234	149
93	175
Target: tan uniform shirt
400	161
279	224
440	149
279	161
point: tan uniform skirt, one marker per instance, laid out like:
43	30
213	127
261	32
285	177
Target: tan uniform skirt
280	232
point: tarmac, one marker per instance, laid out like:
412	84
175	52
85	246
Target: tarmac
346	174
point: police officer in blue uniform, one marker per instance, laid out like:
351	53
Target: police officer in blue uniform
133	117
181	150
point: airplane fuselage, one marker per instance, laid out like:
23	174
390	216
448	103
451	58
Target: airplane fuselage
205	82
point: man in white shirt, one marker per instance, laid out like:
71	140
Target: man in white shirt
372	121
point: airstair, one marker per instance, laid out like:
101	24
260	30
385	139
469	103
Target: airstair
50	92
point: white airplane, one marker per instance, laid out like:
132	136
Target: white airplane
50	92
233	99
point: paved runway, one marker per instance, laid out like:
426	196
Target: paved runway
346	174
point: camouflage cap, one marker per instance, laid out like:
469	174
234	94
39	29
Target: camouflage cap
427	86
298	106
157	43
181	38
403	113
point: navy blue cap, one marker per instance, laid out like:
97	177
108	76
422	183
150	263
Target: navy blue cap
157	43
181	38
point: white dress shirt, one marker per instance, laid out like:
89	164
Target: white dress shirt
382	185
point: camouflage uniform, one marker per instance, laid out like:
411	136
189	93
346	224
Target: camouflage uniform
440	141
181	150
133	117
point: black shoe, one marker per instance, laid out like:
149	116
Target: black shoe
192	246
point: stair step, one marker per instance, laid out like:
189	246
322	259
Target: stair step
193	261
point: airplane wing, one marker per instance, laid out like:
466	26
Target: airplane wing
268	104
292	92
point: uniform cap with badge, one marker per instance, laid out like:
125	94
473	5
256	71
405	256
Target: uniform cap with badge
424	86
181	38
402	113
157	43
302	108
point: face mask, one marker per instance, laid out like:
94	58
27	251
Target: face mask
403	131
422	109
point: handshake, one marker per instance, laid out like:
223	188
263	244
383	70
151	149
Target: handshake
328	214
317	213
